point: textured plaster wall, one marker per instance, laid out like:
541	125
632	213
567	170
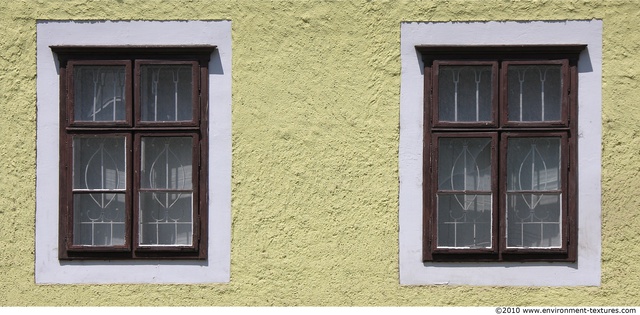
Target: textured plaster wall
315	152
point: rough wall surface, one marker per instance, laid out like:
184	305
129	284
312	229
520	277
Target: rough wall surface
315	152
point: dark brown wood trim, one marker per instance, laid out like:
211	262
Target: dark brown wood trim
572	180
203	164
201	53
64	176
427	165
499	52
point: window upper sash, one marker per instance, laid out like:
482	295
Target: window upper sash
499	87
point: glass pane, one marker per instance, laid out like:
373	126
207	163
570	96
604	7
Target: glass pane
535	92
99	93
166	162
464	93
98	219
534	220
464	220
533	164
464	164
166	218
166	92
99	163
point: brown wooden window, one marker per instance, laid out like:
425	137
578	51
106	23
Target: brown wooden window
500	153
133	141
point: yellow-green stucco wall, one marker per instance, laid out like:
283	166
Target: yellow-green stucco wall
315	125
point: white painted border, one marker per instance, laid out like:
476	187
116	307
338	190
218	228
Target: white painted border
586	271
48	269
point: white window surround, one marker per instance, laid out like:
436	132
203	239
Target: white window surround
216	269
584	272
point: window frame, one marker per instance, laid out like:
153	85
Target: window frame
586	271
500	58
133	129
48	269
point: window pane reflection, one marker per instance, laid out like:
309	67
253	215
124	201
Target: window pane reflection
99	93
167	93
535	92
464	93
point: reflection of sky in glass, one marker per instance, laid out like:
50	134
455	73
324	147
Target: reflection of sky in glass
99	93
166	212
464	219
533	164
464	164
